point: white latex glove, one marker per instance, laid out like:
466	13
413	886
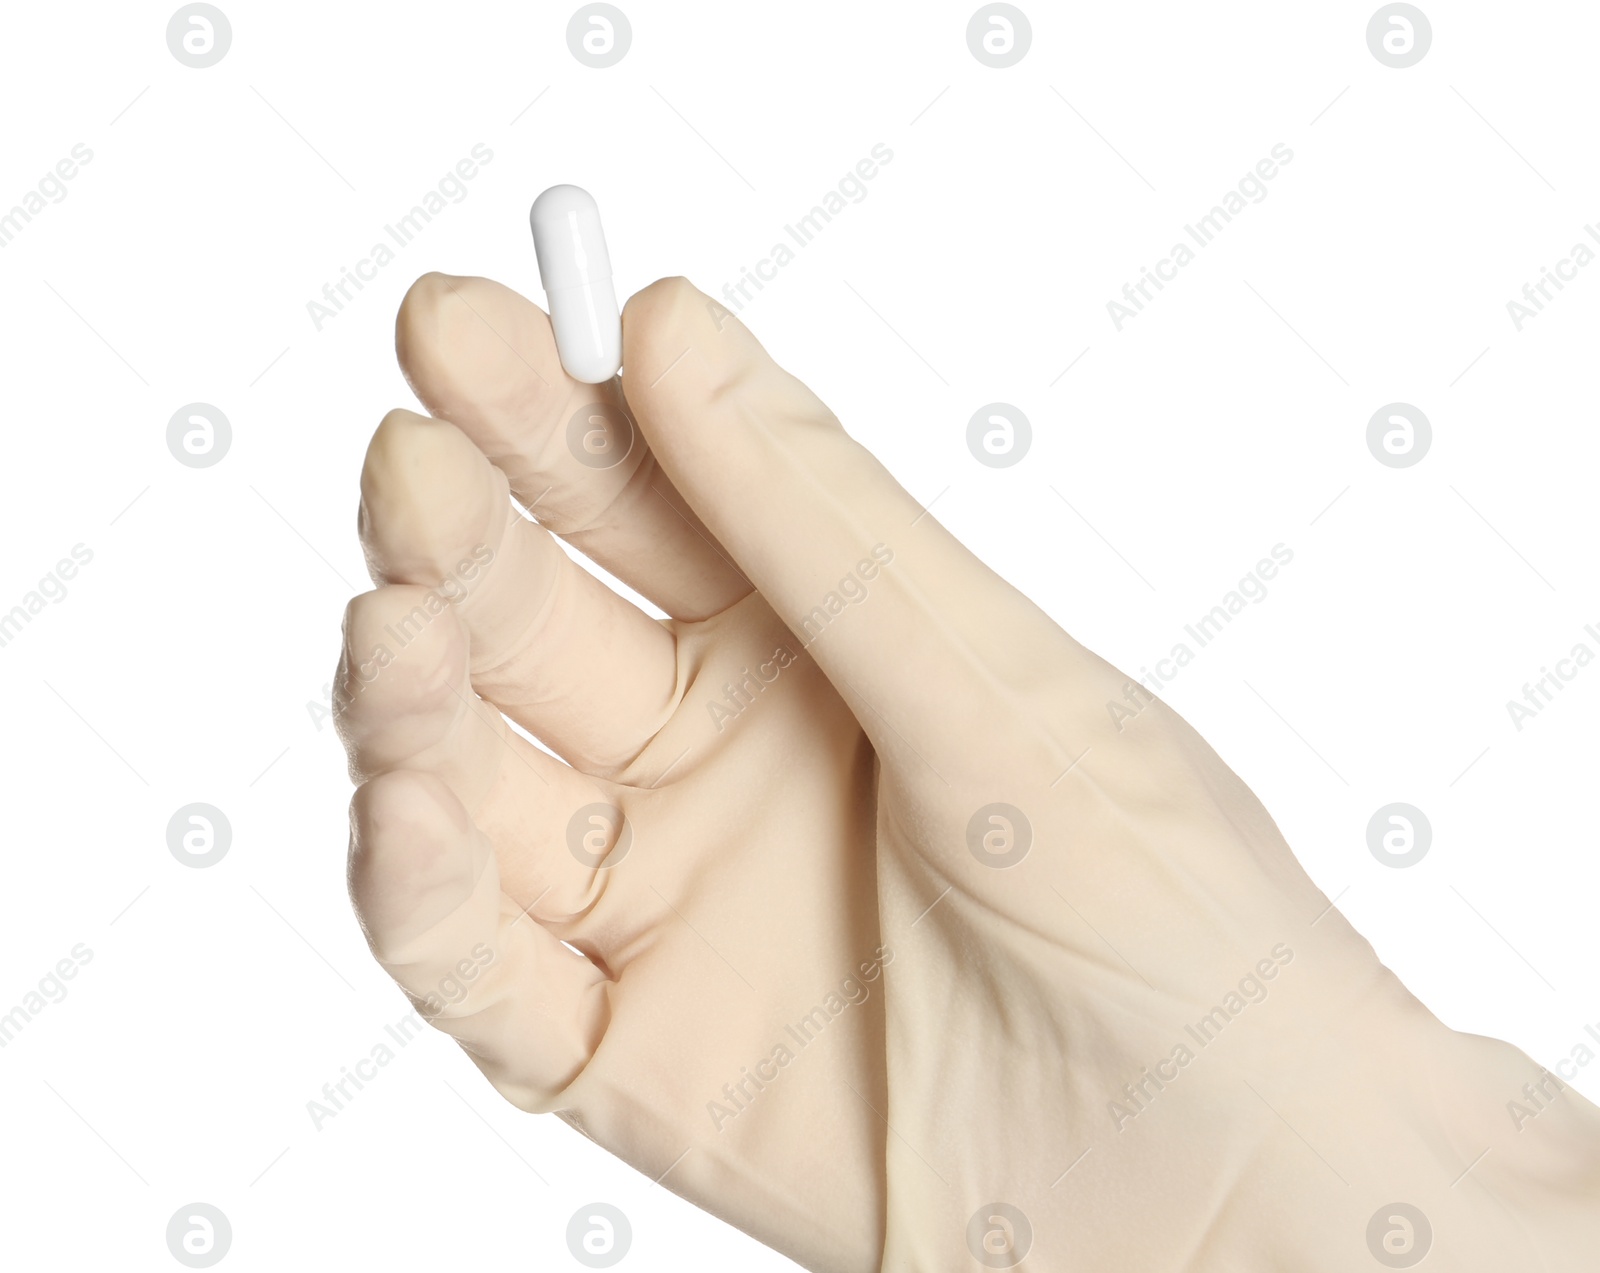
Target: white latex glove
828	990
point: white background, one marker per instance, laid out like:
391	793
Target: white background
1228	417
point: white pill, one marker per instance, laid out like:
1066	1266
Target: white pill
575	269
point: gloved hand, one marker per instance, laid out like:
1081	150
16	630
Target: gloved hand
899	948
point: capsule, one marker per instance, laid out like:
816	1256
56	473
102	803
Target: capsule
575	269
